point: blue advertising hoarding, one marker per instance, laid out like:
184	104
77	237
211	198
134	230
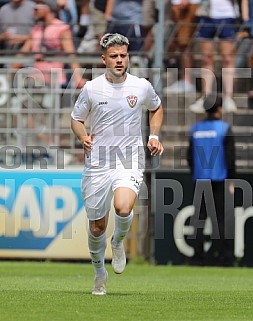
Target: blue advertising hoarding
42	214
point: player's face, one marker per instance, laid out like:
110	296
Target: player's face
116	59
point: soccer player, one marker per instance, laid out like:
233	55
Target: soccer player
114	153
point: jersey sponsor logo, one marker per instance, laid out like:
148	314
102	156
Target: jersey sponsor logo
132	100
102	103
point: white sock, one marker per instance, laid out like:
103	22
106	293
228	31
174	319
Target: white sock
122	226
97	246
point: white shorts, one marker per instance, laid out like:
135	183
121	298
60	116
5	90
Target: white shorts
98	188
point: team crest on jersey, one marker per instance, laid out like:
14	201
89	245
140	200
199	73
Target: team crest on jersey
132	100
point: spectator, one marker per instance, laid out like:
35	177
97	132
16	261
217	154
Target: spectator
149	14
211	157
16	22
100	10
49	36
68	14
217	18
247	14
68	11
244	38
183	15
85	18
126	19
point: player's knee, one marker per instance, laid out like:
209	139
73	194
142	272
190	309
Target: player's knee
97	228
123	211
123	207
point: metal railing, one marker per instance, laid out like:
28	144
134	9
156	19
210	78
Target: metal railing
33	113
35	117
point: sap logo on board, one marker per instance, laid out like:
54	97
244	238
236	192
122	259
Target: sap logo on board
34	213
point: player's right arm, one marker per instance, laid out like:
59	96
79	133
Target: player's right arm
80	132
79	115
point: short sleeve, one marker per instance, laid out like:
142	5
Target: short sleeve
152	101
82	105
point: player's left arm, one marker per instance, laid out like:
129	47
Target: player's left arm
155	124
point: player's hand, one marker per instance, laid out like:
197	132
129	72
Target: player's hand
87	142
155	147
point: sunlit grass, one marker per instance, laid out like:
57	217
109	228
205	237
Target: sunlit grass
62	291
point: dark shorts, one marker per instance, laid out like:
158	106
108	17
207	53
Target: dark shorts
210	28
133	32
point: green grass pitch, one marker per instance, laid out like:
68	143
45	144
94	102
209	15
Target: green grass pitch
48	291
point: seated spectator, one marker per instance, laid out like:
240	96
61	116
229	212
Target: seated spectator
16	22
49	36
217	19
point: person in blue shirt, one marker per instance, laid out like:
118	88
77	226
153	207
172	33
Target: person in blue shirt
211	158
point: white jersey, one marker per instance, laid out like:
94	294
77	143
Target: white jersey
220	9
115	115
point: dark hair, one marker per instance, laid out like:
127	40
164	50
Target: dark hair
212	102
